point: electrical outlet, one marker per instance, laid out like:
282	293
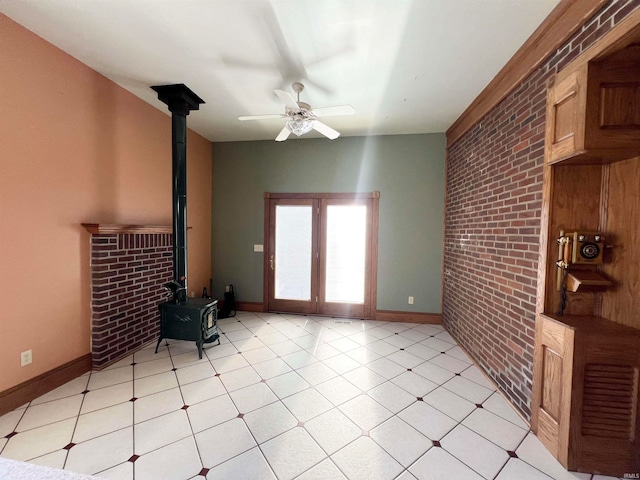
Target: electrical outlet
25	358
410	300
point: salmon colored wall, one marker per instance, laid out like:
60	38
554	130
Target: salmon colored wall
75	147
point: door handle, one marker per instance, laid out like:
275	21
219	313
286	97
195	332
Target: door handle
271	262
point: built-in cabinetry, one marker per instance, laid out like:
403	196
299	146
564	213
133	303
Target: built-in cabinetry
587	346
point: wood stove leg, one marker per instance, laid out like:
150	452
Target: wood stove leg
158	344
199	344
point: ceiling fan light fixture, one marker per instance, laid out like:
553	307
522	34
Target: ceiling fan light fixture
300	125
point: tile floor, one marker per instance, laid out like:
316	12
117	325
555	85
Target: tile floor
285	397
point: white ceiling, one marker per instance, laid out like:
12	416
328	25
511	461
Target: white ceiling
407	66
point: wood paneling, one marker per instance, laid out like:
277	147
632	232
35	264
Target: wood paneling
562	22
409	317
551	379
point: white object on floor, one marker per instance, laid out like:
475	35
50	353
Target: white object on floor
14	470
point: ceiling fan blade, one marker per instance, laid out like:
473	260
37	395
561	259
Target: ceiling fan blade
288	99
337	110
283	135
326	130
261	117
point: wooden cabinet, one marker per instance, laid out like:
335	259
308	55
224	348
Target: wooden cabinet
586	361
593	112
586	377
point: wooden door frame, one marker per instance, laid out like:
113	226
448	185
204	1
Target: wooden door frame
375	196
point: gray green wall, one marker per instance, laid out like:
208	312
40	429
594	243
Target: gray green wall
407	170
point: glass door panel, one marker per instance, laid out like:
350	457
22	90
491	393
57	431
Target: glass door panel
293	252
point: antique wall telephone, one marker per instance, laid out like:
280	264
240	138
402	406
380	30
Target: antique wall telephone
577	251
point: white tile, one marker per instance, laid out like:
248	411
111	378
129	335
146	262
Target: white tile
363	338
329	335
422	351
316	373
535	454
161	431
365	460
364	378
188	358
239	334
438	464
307	404
291	453
272	338
405	476
429	329
229	363
154	384
50	412
124	471
467	389
365	412
176	347
101	453
254	396
474	374
9	421
193	373
399	341
387	368
250	465
271	368
436	374
446	337
219	351
449	363
3	442
427	420
211	412
222	442
475	451
382	348
149	353
201	390
110	377
391	396
152	367
233	325
323	351
450	403
414	384
247	344
39	441
325	470
333	430
287	384
258	355
405	359
107	397
517	469
379	332
284	348
501	432
458	353
162	463
396	327
498	405
157	404
363	355
338	390
341	363
100	422
299	359
437	344
269	421
73	387
307	341
52	460
413	334
237	379
344	344
402	441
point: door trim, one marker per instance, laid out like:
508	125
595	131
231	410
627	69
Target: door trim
375	196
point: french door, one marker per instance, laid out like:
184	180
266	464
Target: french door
321	253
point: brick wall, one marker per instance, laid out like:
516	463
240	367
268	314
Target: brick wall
492	224
127	274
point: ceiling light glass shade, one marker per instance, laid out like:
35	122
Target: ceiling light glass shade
300	125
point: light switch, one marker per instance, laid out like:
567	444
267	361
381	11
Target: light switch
258	248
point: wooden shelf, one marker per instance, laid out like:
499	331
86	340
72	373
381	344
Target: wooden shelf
110	228
591	324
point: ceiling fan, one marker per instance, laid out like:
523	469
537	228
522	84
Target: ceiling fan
301	118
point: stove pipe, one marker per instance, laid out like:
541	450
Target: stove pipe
180	100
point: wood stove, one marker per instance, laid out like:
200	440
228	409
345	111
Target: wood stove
181	317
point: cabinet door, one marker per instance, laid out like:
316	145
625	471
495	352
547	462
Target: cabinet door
566	105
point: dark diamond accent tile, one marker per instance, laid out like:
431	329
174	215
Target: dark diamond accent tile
133	399
69	446
457	374
408	369
419	399
240	415
436	443
217	375
184	407
133	364
85	392
301	424
174	369
12	434
204	472
443	353
401	348
133	458
512	454
395	334
479	405
263	380
239	353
